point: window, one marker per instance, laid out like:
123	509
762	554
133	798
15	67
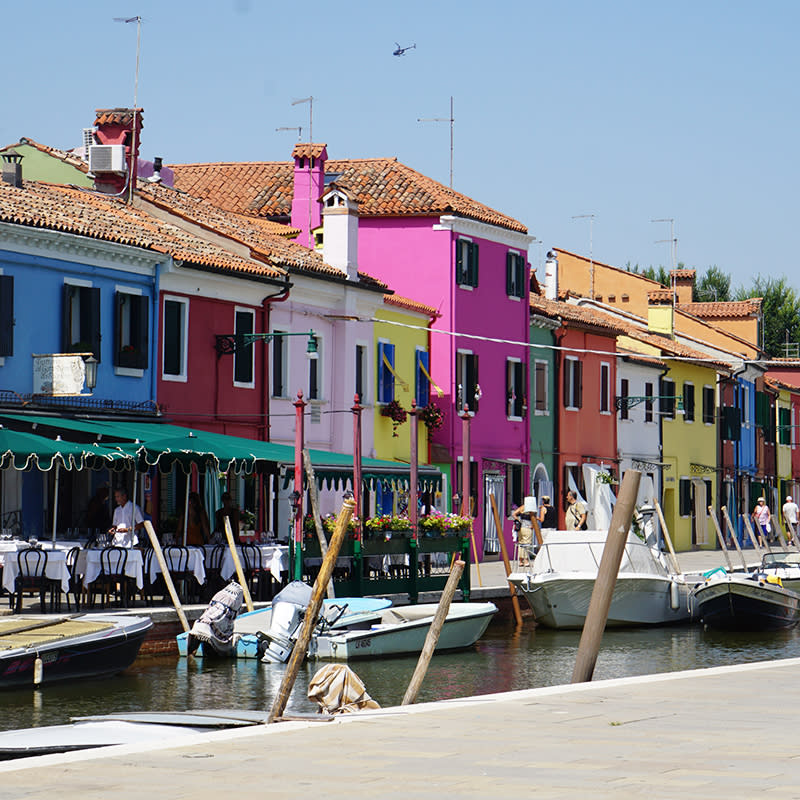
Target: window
648	402
361	372
731	423
573	382
315	373
131	334
605	388
385	374
762	409
244	355
540	387
516	403
666	402
466	263
573	479
468	388
422	384
516	274
81	320
279	365
784	426
6	315
688	402
708	405
624	391
176	317
685	497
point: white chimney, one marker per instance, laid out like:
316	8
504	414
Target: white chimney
551	276
340	231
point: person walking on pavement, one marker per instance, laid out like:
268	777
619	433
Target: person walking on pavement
760	516
790	512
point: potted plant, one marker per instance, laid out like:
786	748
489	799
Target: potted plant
432	416
443	524
396	413
388	525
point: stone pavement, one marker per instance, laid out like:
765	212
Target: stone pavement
725	732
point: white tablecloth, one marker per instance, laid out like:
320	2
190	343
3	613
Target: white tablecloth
274	557
56	570
89	566
196	563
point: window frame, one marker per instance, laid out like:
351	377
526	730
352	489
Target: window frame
361	373
515	381
7	321
573	384
515	275
467	380
88	317
688	394
605	387
545	368
315	373
131	329
624	394
279	364
467	260
182	375
667	401
244	356
709	403
649	402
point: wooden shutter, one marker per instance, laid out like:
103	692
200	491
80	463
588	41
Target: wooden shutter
510	275
67	293
460	276
476	380
6	315
422	384
140	330
579	383
473	265
519	389
567	379
90	319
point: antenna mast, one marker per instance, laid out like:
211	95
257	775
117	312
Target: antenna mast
298	128
673	255
451	119
310	101
590	217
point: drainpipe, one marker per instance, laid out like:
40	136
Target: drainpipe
278	297
558	335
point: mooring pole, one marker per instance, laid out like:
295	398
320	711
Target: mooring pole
299	437
597	616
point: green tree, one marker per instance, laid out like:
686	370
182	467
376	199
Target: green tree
660	274
714	286
780	307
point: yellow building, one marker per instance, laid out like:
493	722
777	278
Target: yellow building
402	374
783	439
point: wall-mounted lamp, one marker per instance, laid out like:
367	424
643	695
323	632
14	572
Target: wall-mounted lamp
91	372
228	344
311	349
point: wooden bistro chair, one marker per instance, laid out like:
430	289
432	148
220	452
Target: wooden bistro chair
257	575
112	582
75	580
186	585
214	581
31	578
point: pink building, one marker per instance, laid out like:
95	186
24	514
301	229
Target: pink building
443	249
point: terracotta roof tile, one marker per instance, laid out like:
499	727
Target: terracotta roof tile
683	274
575	313
118	116
729	309
659	296
268	241
382	187
308	150
98	216
410	305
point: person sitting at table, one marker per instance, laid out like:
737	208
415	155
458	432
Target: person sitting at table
230	511
128	519
197	528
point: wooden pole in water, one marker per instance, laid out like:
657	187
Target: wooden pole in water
779	533
793	532
597	616
752	535
667	537
721	538
312	491
312	612
159	553
732	531
432	638
504	550
237	564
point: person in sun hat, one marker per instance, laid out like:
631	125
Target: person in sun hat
760	516
790	512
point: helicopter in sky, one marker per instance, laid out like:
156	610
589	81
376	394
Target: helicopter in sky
399	51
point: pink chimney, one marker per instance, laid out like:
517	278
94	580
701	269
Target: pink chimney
309	183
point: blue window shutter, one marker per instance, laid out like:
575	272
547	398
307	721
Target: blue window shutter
423	385
380	372
389	350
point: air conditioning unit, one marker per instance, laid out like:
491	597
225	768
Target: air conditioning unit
107	158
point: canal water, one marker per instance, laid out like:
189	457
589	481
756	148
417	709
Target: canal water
505	659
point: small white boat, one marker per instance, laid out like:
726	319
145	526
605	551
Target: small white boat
402	630
785	566
745	602
559	583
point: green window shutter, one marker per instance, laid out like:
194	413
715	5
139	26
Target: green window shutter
523	284
510	274
473	265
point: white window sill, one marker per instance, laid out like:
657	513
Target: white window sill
129	372
538	413
515	419
174	378
244	385
465	286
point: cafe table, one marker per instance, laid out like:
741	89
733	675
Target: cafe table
88	565
196	563
56	569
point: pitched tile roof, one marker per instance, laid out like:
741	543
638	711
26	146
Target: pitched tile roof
62	155
575	313
410	305
87	213
268	241
719	310
382	186
117	116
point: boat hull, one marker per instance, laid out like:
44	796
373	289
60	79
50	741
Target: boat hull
737	603
71	658
464	625
562	600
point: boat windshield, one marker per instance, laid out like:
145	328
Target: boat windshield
781	560
581	551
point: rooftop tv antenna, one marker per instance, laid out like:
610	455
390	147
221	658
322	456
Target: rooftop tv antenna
298	128
310	101
591	218
451	119
138	20
673	257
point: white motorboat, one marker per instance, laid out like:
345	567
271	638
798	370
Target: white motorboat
402	631
558	584
783	565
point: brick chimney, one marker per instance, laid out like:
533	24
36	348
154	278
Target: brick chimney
660	313
12	167
309	183
684	283
340	230
119	126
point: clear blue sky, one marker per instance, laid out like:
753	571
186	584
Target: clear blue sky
629	110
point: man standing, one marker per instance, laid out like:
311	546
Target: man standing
128	519
790	511
576	513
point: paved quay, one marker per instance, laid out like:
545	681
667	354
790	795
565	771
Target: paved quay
723	732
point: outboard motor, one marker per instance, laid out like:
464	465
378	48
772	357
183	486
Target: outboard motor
288	609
